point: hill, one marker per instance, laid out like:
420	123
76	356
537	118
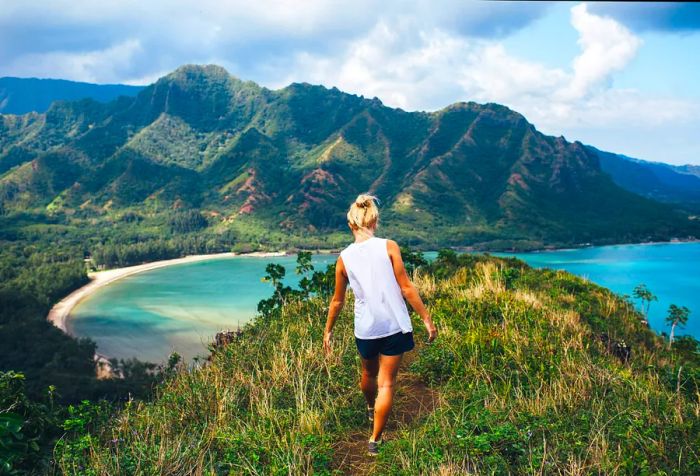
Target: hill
278	168
526	377
24	95
677	184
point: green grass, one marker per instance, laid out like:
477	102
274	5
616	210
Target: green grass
524	386
240	414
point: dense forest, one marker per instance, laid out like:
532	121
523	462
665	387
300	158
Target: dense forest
42	370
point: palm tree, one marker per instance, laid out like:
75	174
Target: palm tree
677	316
642	293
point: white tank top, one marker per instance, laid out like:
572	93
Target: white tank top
379	306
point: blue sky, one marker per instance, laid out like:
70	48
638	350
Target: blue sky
622	77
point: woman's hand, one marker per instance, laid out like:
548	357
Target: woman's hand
432	330
327	336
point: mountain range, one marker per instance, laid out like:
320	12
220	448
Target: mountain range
657	180
678	184
286	163
23	95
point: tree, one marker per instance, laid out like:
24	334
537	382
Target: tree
304	267
447	256
304	262
642	293
187	221
323	282
274	273
412	260
677	316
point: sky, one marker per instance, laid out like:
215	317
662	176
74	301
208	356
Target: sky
620	76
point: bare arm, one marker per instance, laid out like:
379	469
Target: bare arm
337	302
408	290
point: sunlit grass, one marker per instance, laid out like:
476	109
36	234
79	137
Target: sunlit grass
524	387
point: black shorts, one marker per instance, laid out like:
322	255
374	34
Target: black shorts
394	344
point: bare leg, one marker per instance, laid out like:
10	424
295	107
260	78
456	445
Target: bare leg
388	368
368	381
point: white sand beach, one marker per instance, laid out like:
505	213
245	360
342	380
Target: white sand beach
58	315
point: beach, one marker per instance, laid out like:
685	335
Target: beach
59	313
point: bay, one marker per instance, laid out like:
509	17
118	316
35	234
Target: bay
177	308
181	307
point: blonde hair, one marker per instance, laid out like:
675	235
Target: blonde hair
363	212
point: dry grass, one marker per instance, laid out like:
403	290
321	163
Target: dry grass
524	387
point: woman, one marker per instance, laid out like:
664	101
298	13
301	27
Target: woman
383	331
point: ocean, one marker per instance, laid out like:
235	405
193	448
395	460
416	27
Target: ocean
181	307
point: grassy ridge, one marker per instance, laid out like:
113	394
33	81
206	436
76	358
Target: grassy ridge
523	385
526	387
267	403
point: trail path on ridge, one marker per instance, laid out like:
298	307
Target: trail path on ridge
413	400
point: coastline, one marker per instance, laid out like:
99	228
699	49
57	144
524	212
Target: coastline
59	313
672	241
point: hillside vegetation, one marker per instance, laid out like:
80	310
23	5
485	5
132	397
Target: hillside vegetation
267	168
679	184
520	382
202	162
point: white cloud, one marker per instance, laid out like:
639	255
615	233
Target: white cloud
416	68
174	32
422	57
381	65
91	66
606	46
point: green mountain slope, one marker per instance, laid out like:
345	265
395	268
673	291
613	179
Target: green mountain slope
289	161
679	184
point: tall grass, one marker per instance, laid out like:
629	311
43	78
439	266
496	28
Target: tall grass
525	387
269	403
528	387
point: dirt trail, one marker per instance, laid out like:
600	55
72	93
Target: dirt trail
412	401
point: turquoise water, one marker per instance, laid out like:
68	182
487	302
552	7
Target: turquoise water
671	271
177	308
181	307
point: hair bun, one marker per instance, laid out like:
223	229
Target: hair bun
363	212
364	201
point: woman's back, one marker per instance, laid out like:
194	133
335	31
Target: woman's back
379	306
383	332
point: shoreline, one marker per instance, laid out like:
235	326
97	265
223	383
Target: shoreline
60	312
672	241
675	241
